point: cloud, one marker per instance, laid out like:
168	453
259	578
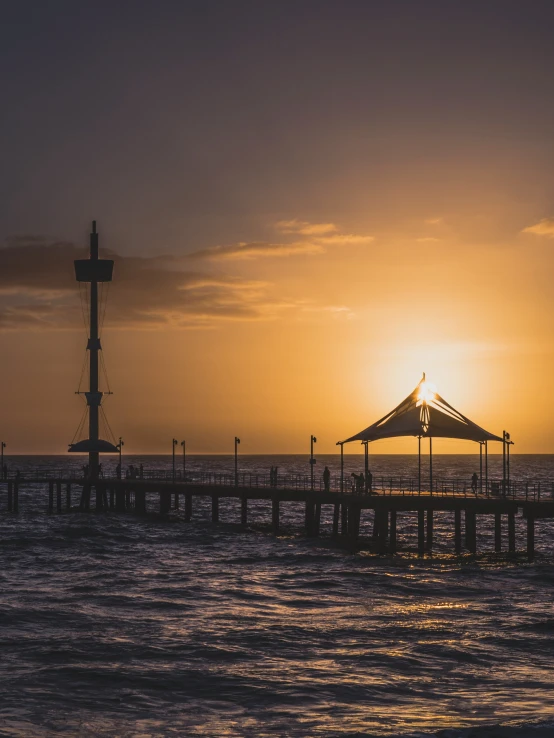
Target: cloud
305	228
311	239
544	227
434	221
257	249
38	290
427	239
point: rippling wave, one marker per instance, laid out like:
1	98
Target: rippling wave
118	625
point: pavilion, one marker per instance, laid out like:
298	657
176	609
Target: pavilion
425	414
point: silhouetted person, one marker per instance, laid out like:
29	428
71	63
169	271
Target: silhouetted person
361	483
327	479
368	482
474	480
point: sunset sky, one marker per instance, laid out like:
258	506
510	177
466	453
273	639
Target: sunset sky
309	204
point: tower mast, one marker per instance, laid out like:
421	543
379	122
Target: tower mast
93	270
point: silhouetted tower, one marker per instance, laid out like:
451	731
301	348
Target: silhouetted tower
93	271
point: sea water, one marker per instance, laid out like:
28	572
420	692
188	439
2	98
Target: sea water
120	625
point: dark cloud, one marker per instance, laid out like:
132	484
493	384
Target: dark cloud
38	290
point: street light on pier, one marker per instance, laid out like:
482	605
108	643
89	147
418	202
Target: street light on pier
237	441
3	471
183	444
174	443
313	440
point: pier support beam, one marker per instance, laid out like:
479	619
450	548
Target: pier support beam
336	518
511	532
140	501
188	507
471	531
530	537
10	496
215	509
497	532
59	496
421	532
120	499
165	502
16	497
383	530
244	510
176	505
99	498
354	514
309	521
458	531
344	520
50	497
317	518
68	497
429	530
392	537
275	515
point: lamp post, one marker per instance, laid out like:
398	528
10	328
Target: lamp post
183	444
313	440
119	447
2	447
173	444
237	441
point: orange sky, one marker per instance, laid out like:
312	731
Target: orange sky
304	218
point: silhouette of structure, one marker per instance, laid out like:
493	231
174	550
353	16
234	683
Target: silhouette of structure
93	271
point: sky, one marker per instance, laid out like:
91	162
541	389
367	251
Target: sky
309	204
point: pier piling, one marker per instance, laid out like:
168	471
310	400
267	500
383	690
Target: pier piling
10	496
59	496
392	537
336	518
497	532
50	497
16	497
344	520
421	532
530	536
511	532
275	515
188	507
215	509
430	530
458	531
68	497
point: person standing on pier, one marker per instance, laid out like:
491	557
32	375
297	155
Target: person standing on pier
474	480
368	482
327	479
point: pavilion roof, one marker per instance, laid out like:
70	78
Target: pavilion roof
424	413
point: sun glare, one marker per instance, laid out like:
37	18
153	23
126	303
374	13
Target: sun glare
427	392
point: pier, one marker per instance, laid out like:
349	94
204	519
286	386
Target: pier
382	508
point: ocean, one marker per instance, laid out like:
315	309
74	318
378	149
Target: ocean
143	627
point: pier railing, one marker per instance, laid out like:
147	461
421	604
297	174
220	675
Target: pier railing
535	489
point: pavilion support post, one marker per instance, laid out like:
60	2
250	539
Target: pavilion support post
366	464
419	465
497	532
486	468
458	531
421	532
392	536
429	530
341	467
503	463
336	518
480	466
430	465
511	532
